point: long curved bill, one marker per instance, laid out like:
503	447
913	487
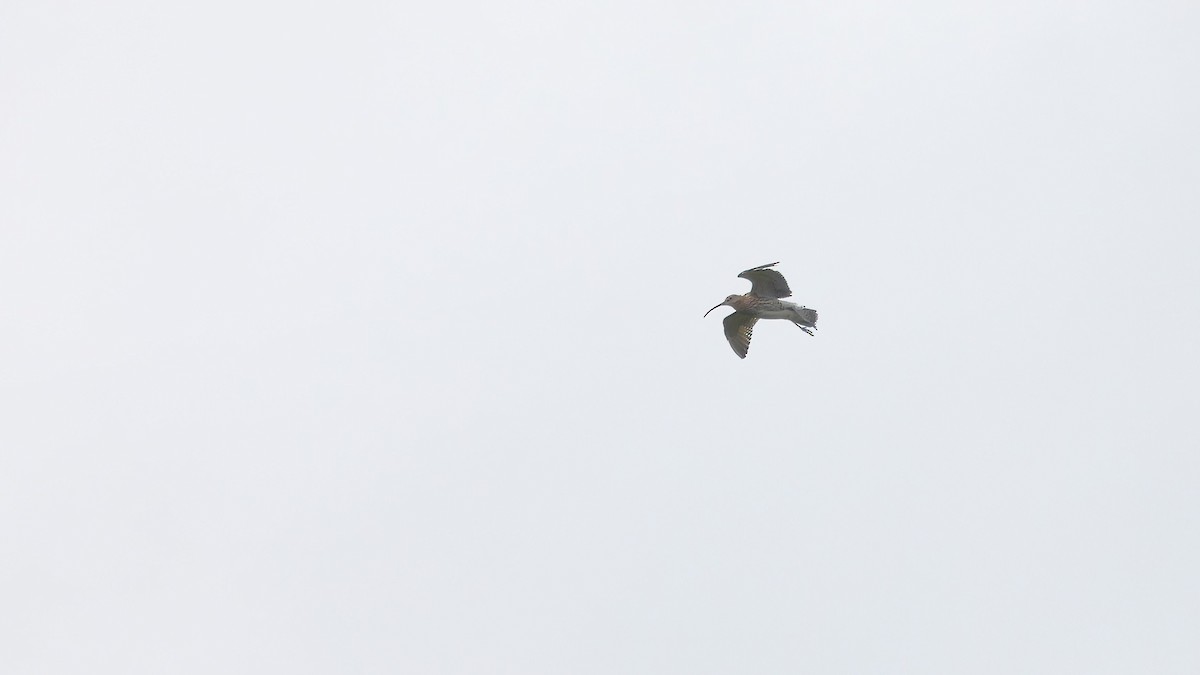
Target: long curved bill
707	313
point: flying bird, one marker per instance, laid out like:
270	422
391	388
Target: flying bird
763	301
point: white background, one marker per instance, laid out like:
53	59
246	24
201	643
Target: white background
366	338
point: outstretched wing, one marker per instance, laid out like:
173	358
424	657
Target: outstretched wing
738	327
766	283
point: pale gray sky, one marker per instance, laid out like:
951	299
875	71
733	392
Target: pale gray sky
367	338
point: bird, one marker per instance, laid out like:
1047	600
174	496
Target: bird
767	287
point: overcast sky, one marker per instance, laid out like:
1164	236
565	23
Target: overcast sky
367	338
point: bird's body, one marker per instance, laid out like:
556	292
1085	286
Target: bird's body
801	316
762	302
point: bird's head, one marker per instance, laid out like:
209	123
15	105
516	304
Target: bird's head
730	300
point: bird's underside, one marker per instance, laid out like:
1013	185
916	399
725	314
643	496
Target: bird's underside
739	326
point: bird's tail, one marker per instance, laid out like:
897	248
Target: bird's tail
806	317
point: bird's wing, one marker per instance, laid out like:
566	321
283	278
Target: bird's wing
738	328
766	283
